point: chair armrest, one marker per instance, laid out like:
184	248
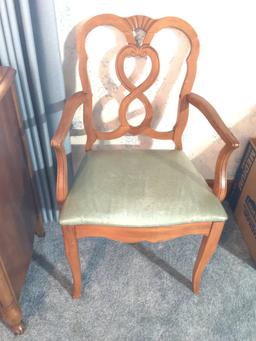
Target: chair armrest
231	142
57	141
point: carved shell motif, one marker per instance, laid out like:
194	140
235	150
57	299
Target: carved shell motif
139	25
140	21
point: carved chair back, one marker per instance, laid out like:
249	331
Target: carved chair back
129	26
206	216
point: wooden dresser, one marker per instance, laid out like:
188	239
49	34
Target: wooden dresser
19	218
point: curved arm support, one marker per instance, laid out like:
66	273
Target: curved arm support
57	141
231	142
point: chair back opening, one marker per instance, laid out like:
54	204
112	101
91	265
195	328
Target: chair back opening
138	32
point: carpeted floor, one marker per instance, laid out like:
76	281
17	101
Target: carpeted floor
139	292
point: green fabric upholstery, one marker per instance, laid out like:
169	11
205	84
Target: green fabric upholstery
139	188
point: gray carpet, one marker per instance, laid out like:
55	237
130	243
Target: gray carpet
139	292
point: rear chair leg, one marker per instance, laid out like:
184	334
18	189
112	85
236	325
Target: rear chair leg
72	254
207	248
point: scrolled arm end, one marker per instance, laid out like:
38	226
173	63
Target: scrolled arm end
220	179
62	172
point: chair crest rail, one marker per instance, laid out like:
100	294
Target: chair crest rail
128	26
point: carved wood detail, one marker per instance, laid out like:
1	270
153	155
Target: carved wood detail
140	21
211	231
231	143
9	309
151	27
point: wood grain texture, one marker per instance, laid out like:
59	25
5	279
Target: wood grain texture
231	143
139	22
72	254
57	142
10	311
19	214
151	27
139	234
39	227
210	230
207	248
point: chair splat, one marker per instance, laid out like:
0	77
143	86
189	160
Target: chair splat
138	47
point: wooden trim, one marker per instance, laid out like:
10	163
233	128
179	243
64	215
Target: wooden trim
57	142
139	234
231	143
10	311
207	248
220	181
72	254
151	27
214	119
140	21
211	232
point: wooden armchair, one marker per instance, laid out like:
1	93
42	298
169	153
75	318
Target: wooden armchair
140	195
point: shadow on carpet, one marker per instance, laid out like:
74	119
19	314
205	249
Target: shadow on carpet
139	292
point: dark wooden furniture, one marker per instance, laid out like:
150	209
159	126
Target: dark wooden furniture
18	211
87	224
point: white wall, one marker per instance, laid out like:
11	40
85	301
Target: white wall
226	73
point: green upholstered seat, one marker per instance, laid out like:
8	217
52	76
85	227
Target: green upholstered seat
139	188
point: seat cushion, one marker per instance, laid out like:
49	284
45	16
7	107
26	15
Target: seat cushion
139	188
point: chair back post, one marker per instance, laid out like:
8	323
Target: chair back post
128	26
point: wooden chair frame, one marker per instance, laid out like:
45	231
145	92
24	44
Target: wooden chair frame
211	231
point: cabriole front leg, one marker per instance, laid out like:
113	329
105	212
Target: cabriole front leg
207	248
72	254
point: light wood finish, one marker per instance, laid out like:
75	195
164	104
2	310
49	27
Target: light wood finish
211	230
231	143
206	250
70	107
19	214
151	27
72	253
147	234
